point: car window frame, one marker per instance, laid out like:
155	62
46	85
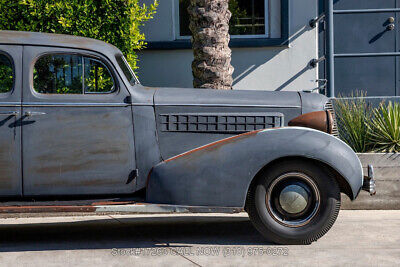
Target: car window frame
2	52
129	69
113	79
116	86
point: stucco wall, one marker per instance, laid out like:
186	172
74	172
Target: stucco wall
267	68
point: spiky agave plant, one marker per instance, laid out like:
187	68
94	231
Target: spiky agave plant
384	130
353	115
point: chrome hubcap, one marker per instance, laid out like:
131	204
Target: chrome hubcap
293	199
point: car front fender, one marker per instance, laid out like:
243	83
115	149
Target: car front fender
220	173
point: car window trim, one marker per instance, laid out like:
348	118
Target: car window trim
135	79
83	55
7	55
83	76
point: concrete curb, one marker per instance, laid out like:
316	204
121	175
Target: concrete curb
387	175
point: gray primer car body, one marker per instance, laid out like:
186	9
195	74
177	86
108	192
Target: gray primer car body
187	178
139	137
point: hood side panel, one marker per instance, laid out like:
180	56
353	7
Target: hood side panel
312	102
190	127
176	96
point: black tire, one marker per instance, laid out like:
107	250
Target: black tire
276	231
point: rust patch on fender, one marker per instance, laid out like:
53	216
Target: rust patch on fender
148	177
318	120
214	144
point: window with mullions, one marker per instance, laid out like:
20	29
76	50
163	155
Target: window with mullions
249	18
71	74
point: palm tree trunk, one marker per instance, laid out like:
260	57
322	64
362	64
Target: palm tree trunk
209	24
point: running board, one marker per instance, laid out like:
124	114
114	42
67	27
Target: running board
99	208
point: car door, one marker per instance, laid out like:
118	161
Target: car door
77	128
10	131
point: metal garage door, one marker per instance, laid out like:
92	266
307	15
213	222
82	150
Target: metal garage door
365	47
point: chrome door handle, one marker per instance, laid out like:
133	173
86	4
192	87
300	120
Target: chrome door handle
33	113
11	113
390	27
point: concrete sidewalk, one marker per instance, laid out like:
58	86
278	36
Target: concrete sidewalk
358	238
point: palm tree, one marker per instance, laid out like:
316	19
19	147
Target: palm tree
209	24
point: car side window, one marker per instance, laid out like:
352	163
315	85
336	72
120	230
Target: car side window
6	74
71	74
97	77
58	74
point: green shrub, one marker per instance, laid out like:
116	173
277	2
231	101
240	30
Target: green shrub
114	21
367	129
353	115
384	129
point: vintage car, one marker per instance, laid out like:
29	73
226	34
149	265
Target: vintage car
76	124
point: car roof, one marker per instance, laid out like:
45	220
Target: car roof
56	40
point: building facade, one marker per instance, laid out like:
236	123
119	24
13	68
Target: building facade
273	45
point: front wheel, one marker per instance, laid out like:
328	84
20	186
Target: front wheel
294	202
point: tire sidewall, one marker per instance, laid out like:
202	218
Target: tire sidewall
329	196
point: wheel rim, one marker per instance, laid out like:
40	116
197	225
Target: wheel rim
293	199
